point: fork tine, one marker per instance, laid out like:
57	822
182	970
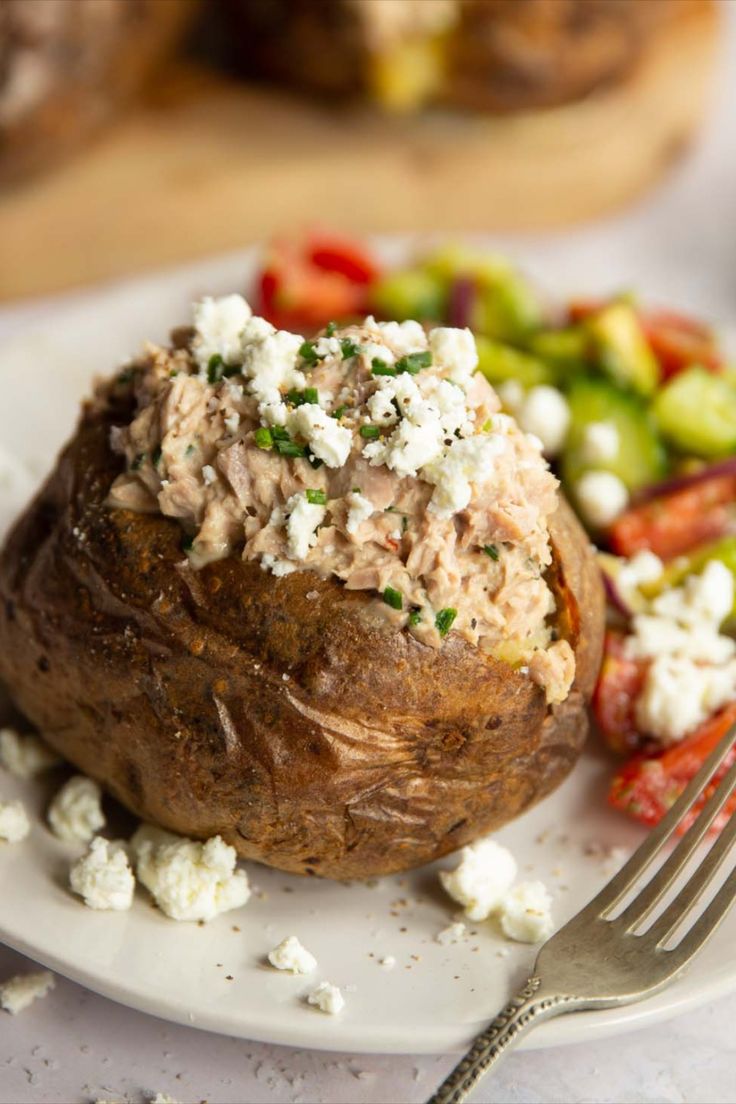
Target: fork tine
647	900
706	924
688	896
643	857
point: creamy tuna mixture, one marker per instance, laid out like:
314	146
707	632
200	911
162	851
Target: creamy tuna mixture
373	454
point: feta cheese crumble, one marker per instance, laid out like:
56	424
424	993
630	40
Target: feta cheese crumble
601	496
189	880
327	998
291	955
219	326
360	509
327	439
455	350
14	823
525	913
26	755
481	880
19	992
465	464
301	525
75	815
600	442
692	669
103	877
544	412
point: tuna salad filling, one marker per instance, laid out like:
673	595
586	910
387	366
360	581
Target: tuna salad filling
373	453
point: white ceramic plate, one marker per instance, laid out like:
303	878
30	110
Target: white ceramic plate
214	976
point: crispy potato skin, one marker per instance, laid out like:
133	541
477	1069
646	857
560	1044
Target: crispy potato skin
276	712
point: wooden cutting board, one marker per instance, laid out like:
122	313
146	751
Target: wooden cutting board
209	164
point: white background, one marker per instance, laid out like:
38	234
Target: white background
75	1046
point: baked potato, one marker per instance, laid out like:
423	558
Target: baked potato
282	712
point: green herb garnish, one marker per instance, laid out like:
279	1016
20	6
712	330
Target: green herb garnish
330	328
381	368
138	461
190	450
349	348
339	412
308	352
404	523
308	395
444	619
280	434
491	550
393	598
487	426
215	367
370	431
263	437
415	617
414	362
316	498
311	395
289	448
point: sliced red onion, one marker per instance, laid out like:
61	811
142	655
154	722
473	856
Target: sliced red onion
691	479
461	301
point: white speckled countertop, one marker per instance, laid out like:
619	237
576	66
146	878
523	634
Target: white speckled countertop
77	1047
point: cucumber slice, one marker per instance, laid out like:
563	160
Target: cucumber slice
621	348
696	412
568	349
507	308
411	293
639	457
499	363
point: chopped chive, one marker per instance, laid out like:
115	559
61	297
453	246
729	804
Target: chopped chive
262	437
370	431
289	448
330	328
138	461
311	395
393	598
230	370
349	348
314	460
414	362
381	368
280	434
308	352
316	498
444	619
415	617
339	412
190	450
156	456
491	550
404	523
487	426
215	367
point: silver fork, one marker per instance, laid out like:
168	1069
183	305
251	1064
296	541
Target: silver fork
598	962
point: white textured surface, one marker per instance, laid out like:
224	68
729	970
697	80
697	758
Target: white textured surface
75	1046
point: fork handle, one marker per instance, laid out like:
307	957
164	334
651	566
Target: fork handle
528	1008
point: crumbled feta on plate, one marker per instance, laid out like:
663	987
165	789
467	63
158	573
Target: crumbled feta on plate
482	878
25	755
525	913
291	955
327	998
103	876
14	823
189	880
19	992
75	814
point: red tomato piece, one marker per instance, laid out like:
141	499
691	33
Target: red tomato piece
675	523
305	287
678	342
647	787
345	257
619	684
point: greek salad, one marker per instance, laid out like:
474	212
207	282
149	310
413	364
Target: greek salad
636	411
